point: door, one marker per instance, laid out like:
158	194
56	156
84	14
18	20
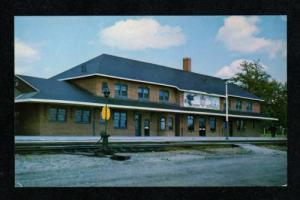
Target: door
230	128
138	120
202	128
147	127
177	124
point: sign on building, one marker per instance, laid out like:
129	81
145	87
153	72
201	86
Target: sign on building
201	101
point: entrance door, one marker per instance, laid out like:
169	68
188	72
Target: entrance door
138	121
147	127
202	128
230	128
177	124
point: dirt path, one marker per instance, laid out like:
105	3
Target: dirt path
253	167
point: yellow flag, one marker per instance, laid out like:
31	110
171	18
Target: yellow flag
105	113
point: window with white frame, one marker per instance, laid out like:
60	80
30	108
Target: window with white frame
82	116
162	123
57	114
164	95
121	90
143	93
190	122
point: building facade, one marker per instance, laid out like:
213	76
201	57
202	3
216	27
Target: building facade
145	100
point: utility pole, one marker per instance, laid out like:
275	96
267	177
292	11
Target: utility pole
227	124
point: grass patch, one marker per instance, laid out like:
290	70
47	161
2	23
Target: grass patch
280	147
211	149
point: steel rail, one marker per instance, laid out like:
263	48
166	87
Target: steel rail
24	148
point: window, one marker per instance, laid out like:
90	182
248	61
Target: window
16	83
253	123
240	125
162	124
190	122
229	102
143	93
249	106
212	123
224	124
243	125
57	115
120	120
202	123
82	116
238	104
120	90
147	123
164	95
170	123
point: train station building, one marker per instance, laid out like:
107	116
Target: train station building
145	100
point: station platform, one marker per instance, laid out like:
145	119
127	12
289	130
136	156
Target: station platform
148	139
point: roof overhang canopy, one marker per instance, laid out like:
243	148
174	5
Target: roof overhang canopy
157	109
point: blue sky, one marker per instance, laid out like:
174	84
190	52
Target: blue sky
45	46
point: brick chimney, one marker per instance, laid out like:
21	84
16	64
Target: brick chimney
187	64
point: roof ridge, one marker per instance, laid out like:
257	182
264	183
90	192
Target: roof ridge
94	58
21	75
180	70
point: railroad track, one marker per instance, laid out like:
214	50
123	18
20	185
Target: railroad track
92	148
66	148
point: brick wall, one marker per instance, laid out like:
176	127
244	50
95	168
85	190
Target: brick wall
28	119
33	120
94	85
255	104
89	84
249	130
256	107
63	128
220	131
186	132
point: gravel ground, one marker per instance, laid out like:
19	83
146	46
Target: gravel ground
247	165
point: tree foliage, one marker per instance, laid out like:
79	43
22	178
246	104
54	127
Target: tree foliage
255	79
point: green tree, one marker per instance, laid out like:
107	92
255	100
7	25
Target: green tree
257	81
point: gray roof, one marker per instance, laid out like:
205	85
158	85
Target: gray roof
132	69
51	89
55	90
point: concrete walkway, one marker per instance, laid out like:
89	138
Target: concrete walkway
116	139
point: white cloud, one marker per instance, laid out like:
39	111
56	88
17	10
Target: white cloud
239	34
25	51
234	67
26	56
141	34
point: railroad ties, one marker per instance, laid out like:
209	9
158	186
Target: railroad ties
88	150
92	149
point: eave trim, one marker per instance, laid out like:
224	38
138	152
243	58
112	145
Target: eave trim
138	108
